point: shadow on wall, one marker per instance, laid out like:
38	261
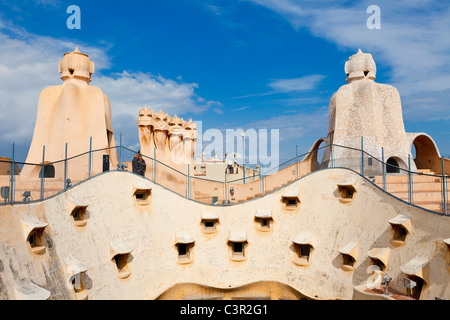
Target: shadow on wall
361	274
427	155
272	290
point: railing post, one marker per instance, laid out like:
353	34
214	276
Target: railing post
11	192
444	187
362	156
42	173
243	154
188	183
263	183
384	169
90	156
331	149
120	153
65	168
410	182
226	189
154	164
296	162
260	180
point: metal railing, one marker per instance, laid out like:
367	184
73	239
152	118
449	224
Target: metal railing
421	189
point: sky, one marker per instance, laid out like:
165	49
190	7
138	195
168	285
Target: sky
244	64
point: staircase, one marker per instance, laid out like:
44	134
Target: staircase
426	189
51	187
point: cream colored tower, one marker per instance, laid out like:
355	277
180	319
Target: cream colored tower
369	110
171	139
72	113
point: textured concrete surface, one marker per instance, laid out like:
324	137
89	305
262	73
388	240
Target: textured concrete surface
150	232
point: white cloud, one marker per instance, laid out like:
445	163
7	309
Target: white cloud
296	126
29	63
302	128
293	85
217	110
241	108
413	40
297	84
129	92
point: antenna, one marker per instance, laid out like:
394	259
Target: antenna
409	284
385	281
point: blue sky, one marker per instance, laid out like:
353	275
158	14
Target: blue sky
230	64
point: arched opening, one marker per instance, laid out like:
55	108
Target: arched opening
346	192
36	240
316	152
348	262
320	151
238	250
210	225
302	254
142	196
49	171
378	263
261	290
78	215
77	283
264	223
121	261
392	166
185	252
426	156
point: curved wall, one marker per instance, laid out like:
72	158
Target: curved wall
150	229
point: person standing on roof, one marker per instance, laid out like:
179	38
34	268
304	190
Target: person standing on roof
141	165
